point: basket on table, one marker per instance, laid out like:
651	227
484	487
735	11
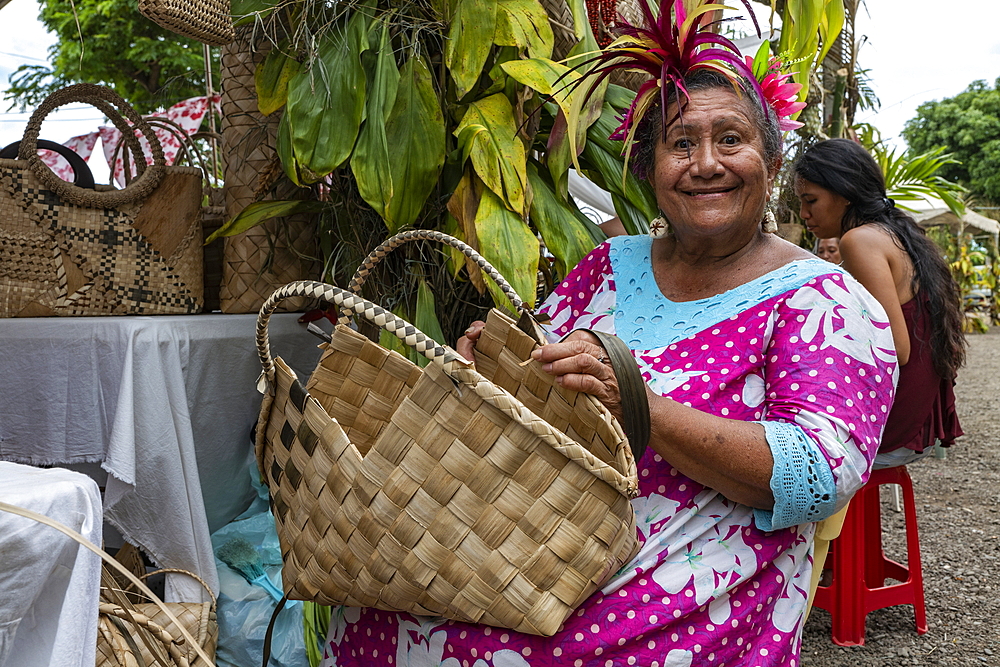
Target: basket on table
482	493
71	250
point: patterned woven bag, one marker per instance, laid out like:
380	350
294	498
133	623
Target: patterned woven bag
484	493
68	250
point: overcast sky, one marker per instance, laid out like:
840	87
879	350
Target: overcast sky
917	50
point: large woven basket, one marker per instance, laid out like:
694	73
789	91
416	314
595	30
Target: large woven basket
485	494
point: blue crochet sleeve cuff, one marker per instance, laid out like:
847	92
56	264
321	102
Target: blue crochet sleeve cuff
802	483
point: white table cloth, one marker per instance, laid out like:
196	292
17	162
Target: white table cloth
165	404
49	584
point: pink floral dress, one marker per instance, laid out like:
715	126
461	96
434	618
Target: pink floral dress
806	351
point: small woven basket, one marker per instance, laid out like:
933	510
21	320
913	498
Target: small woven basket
207	21
452	490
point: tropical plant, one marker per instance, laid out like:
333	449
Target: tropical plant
910	178
451	115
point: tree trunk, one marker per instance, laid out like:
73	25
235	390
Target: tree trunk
280	251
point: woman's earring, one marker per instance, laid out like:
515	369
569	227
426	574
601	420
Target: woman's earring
659	227
770	223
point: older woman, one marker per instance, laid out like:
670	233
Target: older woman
769	376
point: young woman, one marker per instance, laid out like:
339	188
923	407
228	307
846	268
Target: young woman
842	194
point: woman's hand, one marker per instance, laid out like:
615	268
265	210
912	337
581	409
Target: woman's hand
581	364
466	345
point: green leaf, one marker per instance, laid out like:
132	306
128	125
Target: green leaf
248	11
488	135
262	211
284	151
391	341
326	102
508	244
415	132
470	38
619	97
426	319
830	25
558	157
525	24
371	161
271	80
564	235
555	79
607	169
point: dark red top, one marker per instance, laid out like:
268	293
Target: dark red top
924	408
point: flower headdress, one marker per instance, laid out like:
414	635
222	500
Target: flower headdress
674	42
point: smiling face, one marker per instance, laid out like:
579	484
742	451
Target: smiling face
710	175
821	210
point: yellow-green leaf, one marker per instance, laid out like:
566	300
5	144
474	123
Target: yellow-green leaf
371	161
564	235
830	25
415	132
488	135
507	243
271	80
262	211
555	79
470	38
525	24
326	102
426	318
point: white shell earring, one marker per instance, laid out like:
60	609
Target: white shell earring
659	227
770	223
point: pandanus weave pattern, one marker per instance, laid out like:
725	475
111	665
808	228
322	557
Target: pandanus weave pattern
437	490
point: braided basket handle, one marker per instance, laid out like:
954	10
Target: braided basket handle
379	253
116	109
177	570
406	332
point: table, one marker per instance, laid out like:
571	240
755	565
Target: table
49	584
165	404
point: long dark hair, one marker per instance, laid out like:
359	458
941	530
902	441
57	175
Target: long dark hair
847	169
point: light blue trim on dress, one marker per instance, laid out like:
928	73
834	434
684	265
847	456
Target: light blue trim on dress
802	482
645	319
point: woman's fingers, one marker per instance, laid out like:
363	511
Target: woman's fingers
466	345
580	364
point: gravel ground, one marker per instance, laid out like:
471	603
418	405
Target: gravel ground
959	519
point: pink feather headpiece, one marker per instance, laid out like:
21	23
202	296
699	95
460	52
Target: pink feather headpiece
672	43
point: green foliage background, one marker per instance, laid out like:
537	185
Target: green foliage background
968	127
115	46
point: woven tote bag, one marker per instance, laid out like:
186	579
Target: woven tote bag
207	21
435	490
135	634
68	250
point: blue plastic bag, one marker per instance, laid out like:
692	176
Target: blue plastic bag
244	609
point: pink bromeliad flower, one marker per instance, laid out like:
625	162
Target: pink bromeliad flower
780	94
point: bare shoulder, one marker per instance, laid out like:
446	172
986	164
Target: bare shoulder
868	238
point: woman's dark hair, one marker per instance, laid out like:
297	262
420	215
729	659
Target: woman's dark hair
650	131
844	167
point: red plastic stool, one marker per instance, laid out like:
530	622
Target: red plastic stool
860	567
